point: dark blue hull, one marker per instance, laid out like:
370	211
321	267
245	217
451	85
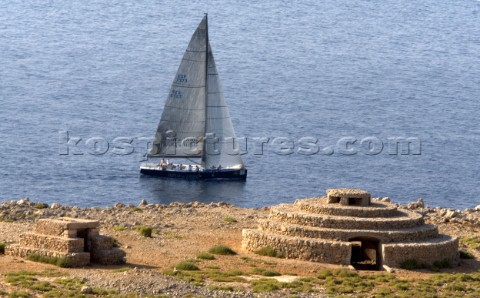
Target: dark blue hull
201	175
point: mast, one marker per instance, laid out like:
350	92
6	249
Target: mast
204	151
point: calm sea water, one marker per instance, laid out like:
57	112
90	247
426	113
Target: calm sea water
320	69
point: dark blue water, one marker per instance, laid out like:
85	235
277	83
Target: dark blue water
320	69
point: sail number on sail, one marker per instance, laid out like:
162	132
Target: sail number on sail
181	78
176	94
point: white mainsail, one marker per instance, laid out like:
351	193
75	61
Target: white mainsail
183	119
195	121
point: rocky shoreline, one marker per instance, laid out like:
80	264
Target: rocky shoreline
439	215
24	210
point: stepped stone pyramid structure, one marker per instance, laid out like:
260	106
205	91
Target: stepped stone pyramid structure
76	240
348	228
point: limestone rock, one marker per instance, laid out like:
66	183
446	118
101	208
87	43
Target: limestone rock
24	201
451	214
41	205
55	206
412	205
86	290
420	203
197	204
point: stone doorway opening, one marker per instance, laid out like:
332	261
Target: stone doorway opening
84	233
366	254
334	200
355	201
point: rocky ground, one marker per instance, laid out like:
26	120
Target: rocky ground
180	232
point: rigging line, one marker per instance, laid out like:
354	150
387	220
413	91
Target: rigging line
207	44
197	163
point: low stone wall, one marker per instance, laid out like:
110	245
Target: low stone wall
100	242
439	249
290	215
104	252
56	243
374	210
77	259
113	256
315	250
385	236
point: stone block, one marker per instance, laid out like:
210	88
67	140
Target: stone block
70	233
76	259
100	242
113	256
50	227
57	227
54	243
77	224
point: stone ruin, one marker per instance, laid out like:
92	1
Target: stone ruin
348	196
76	240
348	228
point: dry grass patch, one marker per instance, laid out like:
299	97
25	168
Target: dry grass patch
471	242
222	250
269	252
205	256
57	261
187	265
145	231
229	219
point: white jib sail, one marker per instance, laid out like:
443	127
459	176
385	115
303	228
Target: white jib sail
221	148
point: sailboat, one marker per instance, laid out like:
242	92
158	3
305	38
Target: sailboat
195	122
